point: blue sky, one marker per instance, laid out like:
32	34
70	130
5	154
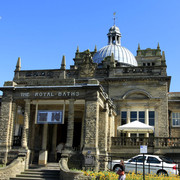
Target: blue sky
42	31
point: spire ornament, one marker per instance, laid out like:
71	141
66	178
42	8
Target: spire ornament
139	46
18	65
112	57
158	47
63	63
163	56
77	49
95	49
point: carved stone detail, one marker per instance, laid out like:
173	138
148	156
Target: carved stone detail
87	68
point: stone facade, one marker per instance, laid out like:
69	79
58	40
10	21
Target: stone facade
95	99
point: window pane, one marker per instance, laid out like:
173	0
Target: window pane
173	115
176	115
142	116
176	119
151	114
151	118
174	122
123	117
124	114
133	116
151	122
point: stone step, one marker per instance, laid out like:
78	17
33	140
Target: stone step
49	172
38	174
30	178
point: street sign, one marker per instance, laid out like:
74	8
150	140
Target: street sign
143	149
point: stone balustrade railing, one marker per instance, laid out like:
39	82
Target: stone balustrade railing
56	73
16	167
158	142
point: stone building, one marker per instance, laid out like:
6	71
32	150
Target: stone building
83	106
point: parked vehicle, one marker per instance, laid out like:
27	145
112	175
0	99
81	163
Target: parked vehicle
153	165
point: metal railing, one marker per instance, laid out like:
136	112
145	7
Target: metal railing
17	141
150	167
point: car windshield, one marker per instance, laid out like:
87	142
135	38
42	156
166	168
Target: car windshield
167	160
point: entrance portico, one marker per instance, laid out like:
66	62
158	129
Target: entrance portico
79	126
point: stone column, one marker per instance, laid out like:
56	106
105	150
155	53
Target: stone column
156	123
43	154
111	129
70	128
82	131
147	120
32	143
33	132
25	132
13	117
6	110
128	120
53	154
103	136
91	129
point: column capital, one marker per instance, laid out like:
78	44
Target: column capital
71	100
27	101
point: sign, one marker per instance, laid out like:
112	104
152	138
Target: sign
143	149
51	94
89	160
50	117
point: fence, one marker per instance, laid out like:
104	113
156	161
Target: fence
152	165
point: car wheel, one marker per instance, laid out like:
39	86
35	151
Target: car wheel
162	172
116	168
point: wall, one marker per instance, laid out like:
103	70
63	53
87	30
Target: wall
16	167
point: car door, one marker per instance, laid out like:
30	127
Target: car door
135	164
152	165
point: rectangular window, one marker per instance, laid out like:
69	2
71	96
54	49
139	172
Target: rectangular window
151	118
142	116
176	119
123	117
133	116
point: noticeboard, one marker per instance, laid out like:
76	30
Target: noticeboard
50	117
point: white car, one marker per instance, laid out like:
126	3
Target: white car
153	165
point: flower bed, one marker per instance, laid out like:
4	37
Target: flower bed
106	175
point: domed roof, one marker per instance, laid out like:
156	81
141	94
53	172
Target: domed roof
114	29
121	54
